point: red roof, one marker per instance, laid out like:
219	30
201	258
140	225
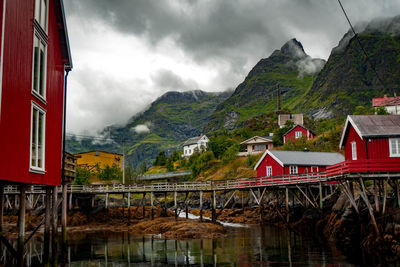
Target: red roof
386	101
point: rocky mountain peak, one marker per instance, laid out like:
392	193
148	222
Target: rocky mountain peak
293	49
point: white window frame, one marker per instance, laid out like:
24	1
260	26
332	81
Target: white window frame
353	150
39	12
35	167
269	171
42	44
293	169
395	153
298	134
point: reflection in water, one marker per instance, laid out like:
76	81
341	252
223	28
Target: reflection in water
253	246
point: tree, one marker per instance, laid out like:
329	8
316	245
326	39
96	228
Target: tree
82	176
161	159
170	164
110	173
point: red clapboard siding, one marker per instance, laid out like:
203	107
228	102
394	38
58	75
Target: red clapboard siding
291	135
15	121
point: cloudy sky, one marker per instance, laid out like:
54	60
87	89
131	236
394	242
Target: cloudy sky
126	53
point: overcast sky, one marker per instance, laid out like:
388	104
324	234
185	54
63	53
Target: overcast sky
126	53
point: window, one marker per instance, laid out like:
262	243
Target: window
38	119
293	169
353	151
269	171
41	13
298	134
39	66
394	147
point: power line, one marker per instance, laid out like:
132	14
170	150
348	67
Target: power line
362	47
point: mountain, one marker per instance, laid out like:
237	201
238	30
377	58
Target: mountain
167	123
289	69
348	79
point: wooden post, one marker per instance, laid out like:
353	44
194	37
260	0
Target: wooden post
376	199
106	200
92	200
47	214
398	193
151	203
214	206
70	200
243	202
320	196
287	204
385	185
129	200
64	211
21	218
187	205
1	207
176	205
201	206
55	211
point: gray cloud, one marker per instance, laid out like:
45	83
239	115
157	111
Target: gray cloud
226	36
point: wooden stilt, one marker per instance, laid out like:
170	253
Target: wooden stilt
64	211
1	207
371	212
243	202
107	196
201	206
54	210
21	218
214	206
385	187
398	193
152	204
176	205
320	196
350	196
187	205
70	201
287	204
305	195
47	214
376	199
129	200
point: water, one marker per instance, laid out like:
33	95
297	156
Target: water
243	246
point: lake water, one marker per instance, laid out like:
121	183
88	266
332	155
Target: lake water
244	246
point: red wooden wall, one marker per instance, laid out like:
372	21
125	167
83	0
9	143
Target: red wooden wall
291	135
17	97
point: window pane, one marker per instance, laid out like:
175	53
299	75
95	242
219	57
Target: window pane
42	76
394	146
33	134
40	141
35	64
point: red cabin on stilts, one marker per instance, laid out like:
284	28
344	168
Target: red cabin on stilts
35	58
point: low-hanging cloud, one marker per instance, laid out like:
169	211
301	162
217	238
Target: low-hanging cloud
141	128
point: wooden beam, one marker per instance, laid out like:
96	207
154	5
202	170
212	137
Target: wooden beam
201	206
376	198
255	197
21	217
229	199
385	187
64	211
305	195
371	211
347	192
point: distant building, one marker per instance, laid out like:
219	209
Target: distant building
97	157
256	145
391	104
276	162
297	131
195	143
295	118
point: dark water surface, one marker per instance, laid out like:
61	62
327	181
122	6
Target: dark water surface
252	246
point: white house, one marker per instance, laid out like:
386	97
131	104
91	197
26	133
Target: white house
198	142
391	104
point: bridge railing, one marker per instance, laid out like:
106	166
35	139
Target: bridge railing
364	166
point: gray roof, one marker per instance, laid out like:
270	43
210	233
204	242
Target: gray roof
302	158
373	126
377	125
193	140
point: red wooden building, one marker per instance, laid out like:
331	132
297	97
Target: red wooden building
35	60
371	143
297	131
278	162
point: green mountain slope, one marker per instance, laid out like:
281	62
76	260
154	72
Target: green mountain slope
290	68
168	122
348	80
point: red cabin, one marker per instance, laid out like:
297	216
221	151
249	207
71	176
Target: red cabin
35	58
278	162
297	131
371	143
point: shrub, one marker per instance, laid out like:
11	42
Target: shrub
82	176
